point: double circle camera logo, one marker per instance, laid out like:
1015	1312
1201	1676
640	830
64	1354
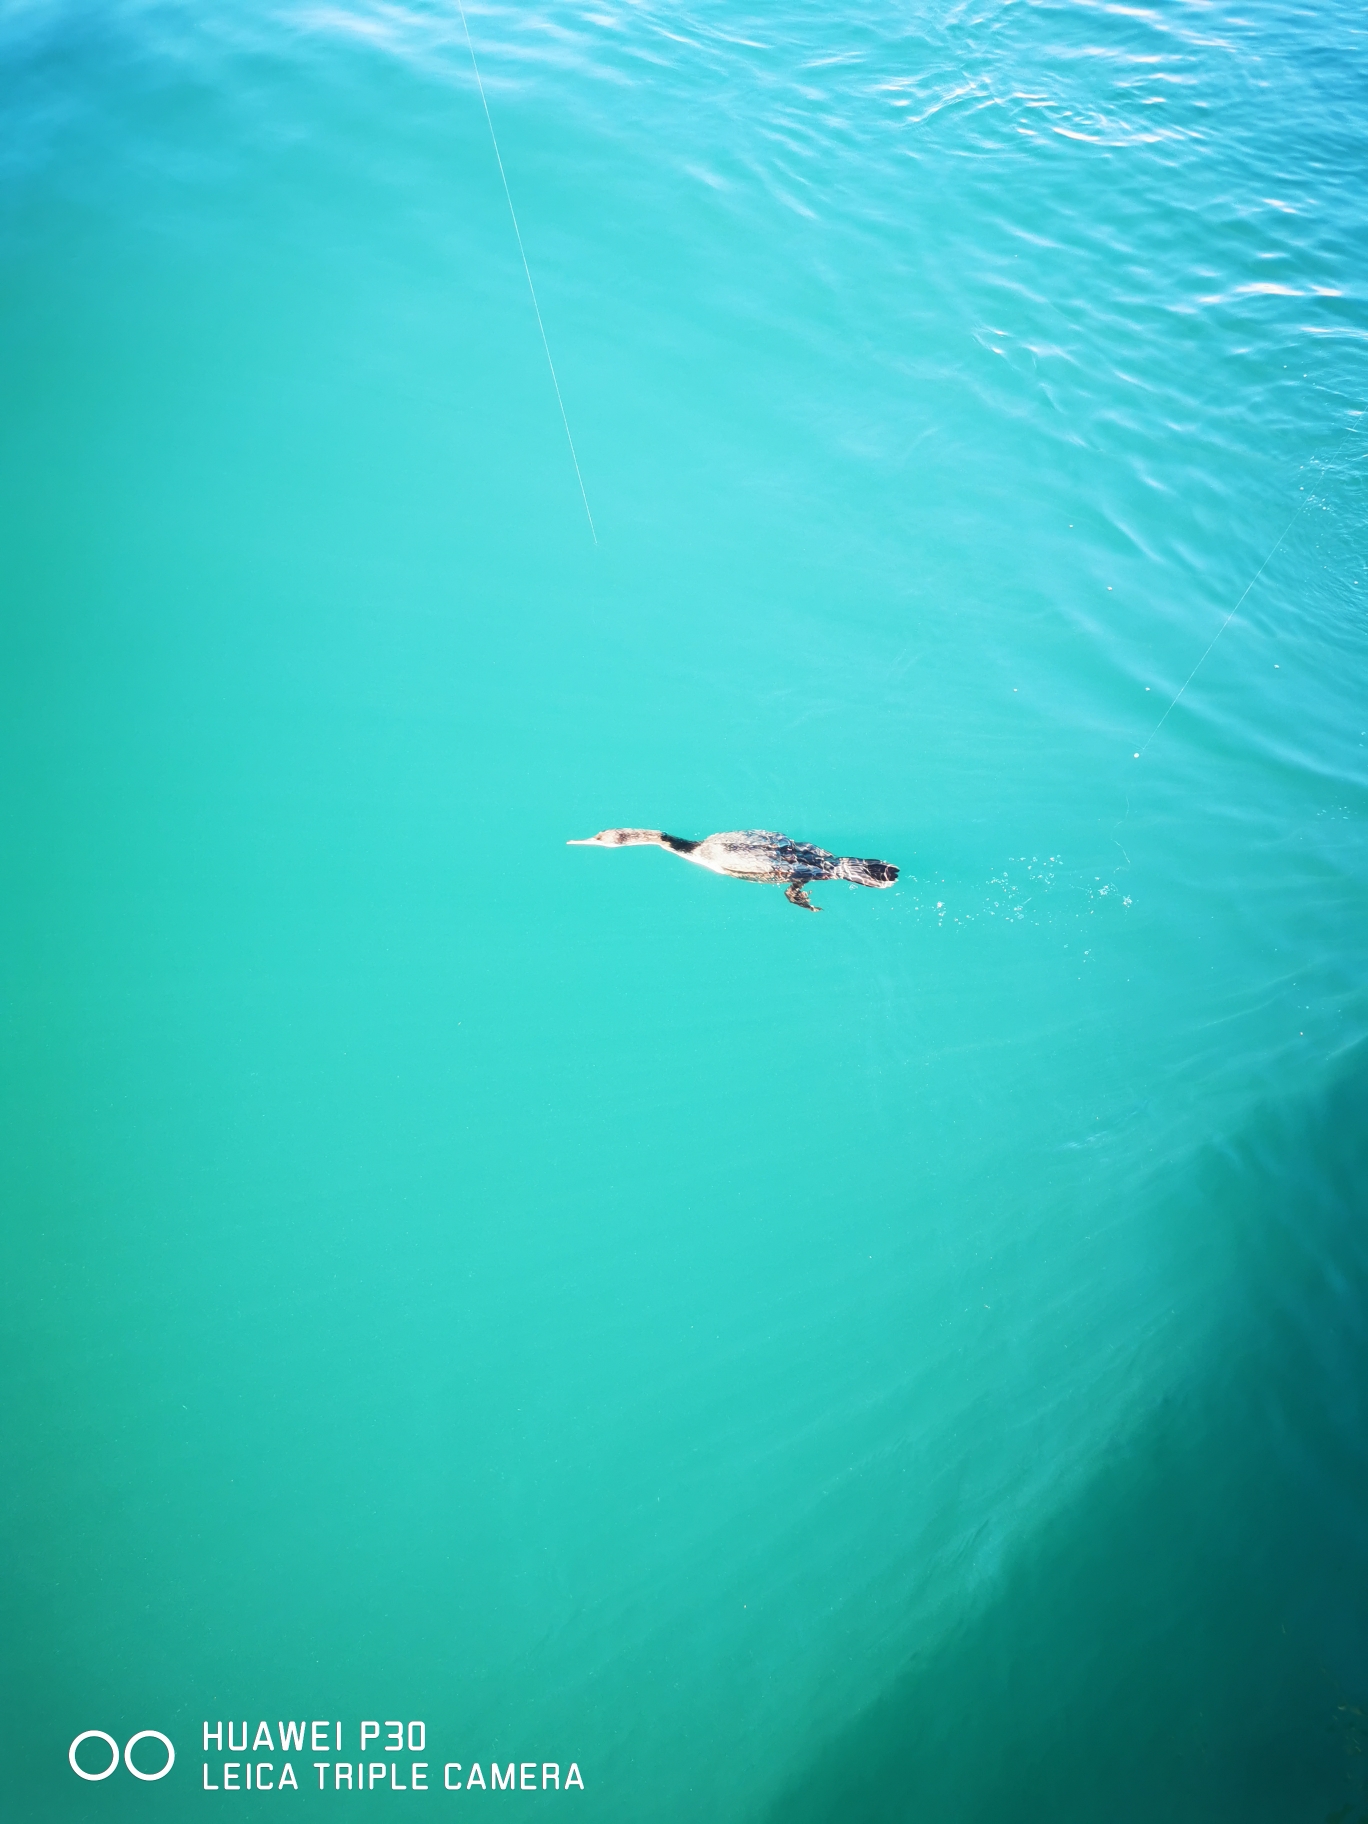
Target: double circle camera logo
143	1735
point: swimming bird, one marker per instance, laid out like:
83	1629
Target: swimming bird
760	855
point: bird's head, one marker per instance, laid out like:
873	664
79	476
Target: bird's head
613	839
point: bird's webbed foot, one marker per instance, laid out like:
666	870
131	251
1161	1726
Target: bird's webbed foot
796	895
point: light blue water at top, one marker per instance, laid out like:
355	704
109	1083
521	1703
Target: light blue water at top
906	1362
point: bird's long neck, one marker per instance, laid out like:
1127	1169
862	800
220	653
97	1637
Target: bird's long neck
622	839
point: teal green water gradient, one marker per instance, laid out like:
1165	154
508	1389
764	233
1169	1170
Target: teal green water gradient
907	1363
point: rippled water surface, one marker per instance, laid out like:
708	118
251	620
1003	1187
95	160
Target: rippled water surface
904	1364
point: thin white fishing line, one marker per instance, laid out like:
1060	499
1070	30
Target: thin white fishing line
1248	586
531	288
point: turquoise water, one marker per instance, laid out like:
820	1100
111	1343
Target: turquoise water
904	1364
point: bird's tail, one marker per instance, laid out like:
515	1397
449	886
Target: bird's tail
866	873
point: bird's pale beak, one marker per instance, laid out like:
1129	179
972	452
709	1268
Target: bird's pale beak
580	842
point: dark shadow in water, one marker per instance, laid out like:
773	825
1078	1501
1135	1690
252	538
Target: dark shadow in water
1189	1639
